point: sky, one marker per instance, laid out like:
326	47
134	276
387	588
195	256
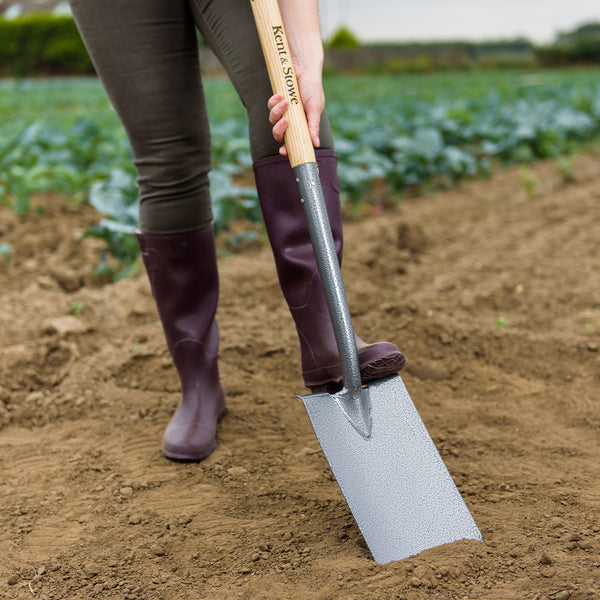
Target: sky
400	20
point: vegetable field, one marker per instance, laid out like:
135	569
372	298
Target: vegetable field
489	286
394	135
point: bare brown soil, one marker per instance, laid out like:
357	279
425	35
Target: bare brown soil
494	296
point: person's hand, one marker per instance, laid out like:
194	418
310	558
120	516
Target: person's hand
313	100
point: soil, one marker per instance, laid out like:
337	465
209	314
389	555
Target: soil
493	294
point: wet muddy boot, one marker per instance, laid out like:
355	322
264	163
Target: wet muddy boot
299	277
182	269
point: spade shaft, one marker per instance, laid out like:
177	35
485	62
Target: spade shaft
352	399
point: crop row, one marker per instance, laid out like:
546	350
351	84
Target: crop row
412	132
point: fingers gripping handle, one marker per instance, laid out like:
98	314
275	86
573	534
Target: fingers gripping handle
283	79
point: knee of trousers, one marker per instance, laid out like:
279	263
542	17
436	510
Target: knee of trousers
174	194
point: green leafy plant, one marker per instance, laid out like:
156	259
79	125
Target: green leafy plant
77	307
566	167
500	323
115	197
529	181
415	133
5	250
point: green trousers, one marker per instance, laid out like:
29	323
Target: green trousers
146	55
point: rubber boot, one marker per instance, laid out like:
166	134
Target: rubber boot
299	277
182	269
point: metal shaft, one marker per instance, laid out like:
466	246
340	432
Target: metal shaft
353	399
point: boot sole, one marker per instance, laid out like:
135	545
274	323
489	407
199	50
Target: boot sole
388	365
187	458
376	369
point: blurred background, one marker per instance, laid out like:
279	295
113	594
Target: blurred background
400	20
421	95
392	35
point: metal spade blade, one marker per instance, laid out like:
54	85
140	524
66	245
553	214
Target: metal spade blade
395	482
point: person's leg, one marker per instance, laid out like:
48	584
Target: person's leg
299	276
146	53
228	28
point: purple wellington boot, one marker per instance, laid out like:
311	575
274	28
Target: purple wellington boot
299	277
182	269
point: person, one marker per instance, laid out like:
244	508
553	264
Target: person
146	55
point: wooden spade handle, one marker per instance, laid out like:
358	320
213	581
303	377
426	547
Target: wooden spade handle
283	79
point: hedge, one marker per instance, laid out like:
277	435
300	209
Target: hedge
41	43
581	50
